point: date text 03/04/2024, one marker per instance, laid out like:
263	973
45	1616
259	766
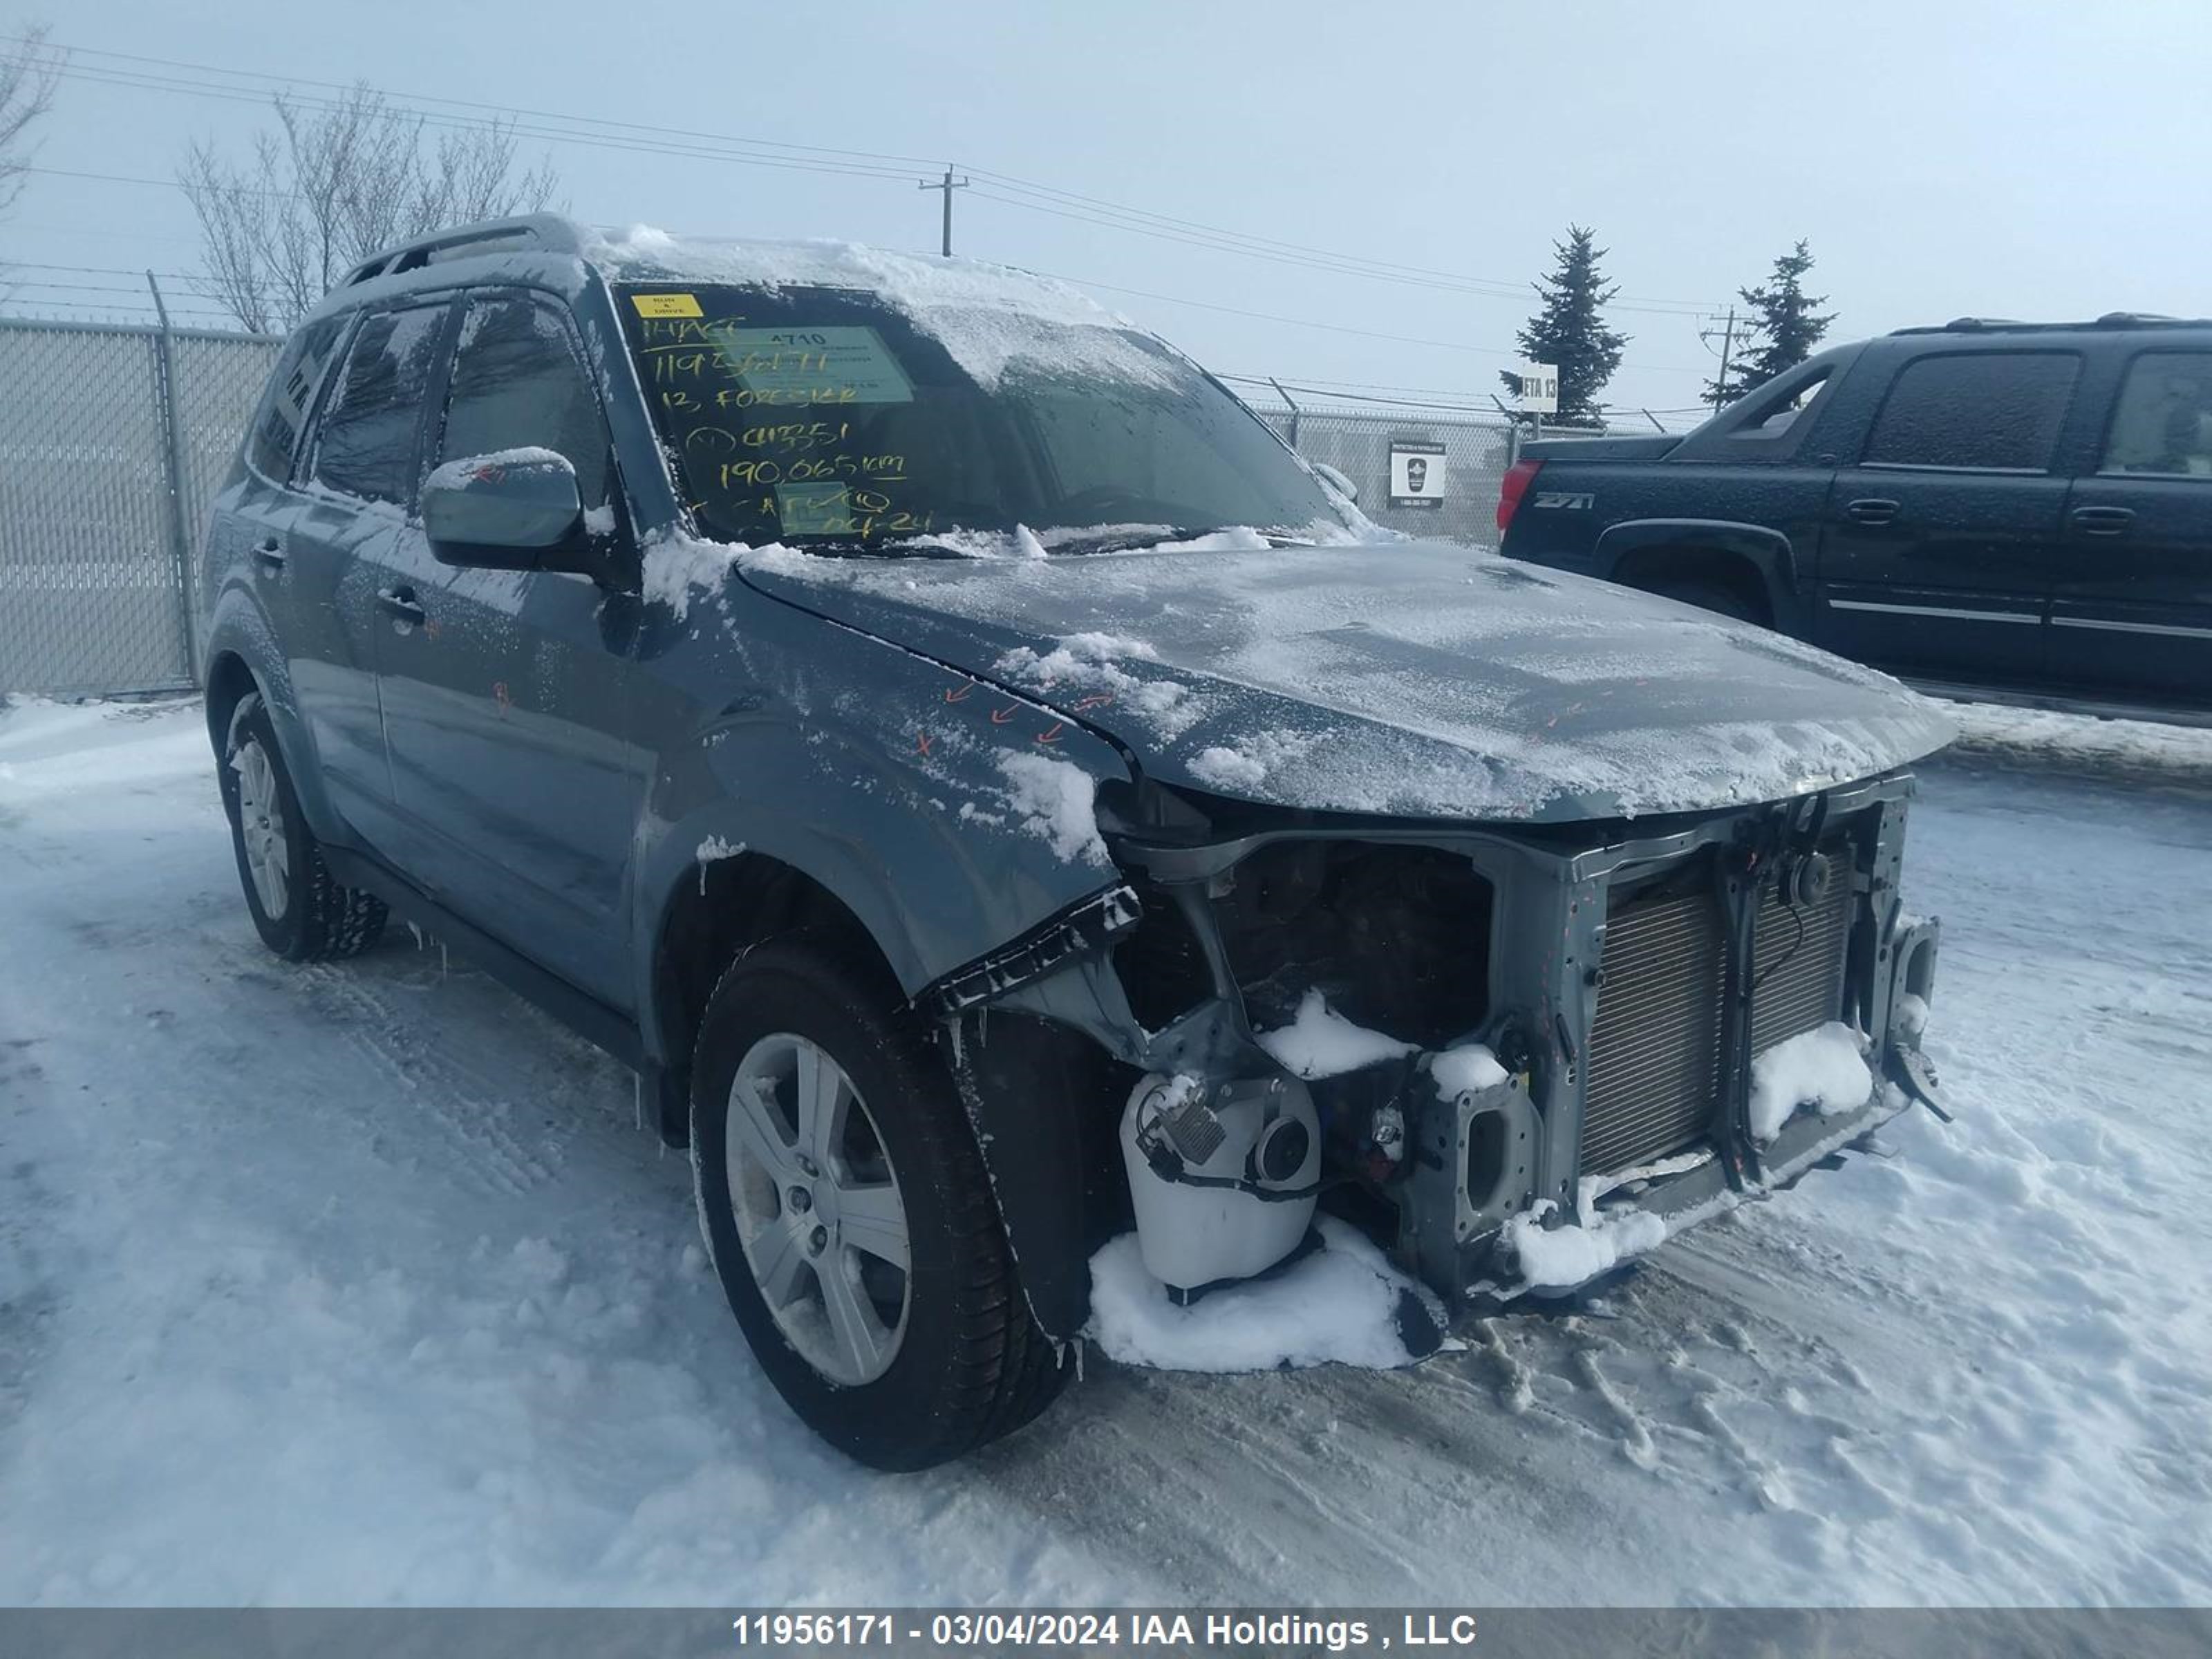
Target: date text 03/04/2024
995	1630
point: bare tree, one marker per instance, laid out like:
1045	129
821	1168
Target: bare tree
335	181
29	70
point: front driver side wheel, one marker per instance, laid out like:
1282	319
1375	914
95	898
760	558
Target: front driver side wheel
850	1218
299	909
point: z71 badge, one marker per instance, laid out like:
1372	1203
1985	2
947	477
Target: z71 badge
1572	501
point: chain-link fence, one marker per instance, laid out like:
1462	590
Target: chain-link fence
113	439
1463	459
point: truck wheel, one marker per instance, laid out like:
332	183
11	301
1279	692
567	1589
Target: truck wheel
1717	597
850	1218
299	909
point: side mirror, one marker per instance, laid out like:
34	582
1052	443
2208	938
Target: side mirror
1336	480
516	510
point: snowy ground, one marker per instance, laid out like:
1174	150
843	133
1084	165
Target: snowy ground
357	1284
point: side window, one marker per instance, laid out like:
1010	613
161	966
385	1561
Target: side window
2163	422
1782	411
1983	411
365	445
276	434
518	384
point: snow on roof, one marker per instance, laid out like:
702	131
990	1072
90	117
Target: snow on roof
988	316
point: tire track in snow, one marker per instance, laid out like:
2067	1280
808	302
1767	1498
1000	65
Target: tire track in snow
457	1101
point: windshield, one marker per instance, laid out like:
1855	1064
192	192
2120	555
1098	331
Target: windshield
825	416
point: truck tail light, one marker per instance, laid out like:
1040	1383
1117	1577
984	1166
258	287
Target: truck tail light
1511	489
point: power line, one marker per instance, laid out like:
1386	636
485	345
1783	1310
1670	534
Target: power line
1027	195
274	80
1335	328
1292	254
140	81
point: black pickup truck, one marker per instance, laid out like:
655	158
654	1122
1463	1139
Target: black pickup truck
2014	507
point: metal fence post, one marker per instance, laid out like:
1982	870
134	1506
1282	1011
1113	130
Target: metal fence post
1286	398
172	457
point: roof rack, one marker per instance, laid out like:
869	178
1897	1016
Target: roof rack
2008	325
543	232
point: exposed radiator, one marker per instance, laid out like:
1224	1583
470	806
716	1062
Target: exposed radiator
1652	1074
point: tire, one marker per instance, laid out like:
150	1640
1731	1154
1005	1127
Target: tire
299	909
1717	597
948	1358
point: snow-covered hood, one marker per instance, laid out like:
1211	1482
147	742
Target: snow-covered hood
1407	678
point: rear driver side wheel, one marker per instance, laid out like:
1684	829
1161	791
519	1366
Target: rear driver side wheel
299	909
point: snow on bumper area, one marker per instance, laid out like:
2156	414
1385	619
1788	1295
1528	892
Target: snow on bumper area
358	1284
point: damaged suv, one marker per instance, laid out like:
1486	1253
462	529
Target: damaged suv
996	795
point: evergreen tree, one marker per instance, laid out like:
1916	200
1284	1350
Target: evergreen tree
1570	330
1783	330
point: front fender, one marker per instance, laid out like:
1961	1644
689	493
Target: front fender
950	817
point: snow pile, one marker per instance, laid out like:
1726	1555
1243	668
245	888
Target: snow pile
451	475
1823	1068
1245	765
1343	1304
1237	538
1465	1069
674	565
1911	1013
1321	1043
1085	664
2003	732
1056	795
1558	1258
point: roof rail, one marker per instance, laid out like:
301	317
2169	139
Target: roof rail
2008	326
546	232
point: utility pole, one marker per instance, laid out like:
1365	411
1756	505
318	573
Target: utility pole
1728	350
948	184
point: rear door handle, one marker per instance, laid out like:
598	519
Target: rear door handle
270	552
401	603
2103	520
1871	510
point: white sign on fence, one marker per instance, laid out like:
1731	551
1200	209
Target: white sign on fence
1417	473
1540	387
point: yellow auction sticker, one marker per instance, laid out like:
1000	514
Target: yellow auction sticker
666	305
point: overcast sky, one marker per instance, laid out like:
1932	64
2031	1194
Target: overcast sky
2014	159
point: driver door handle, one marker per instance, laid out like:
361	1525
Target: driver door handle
1871	510
401	603
2103	520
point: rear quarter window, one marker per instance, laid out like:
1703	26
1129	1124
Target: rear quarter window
2162	423
274	439
1976	412
366	443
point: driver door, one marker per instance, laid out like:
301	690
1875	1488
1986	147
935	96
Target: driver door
506	692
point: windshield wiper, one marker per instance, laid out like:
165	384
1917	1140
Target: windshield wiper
1124	541
852	547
